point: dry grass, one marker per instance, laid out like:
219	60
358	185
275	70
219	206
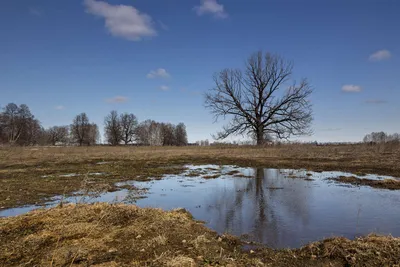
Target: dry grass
383	184
125	235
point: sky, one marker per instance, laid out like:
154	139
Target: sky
156	58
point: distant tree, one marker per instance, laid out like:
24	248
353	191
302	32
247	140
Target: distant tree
149	133
168	134
394	138
381	137
155	134
18	125
113	129
261	100
58	134
11	123
93	135
367	138
80	129
31	133
129	124
141	134
181	135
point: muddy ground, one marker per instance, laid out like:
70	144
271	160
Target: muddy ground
34	175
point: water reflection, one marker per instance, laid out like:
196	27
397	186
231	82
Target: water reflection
259	207
280	208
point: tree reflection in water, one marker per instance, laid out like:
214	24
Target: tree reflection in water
263	207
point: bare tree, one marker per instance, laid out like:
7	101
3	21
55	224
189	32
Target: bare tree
57	134
149	132
168	134
181	135
381	137
155	134
128	123
11	123
260	100
80	129
18	125
32	131
112	128
93	135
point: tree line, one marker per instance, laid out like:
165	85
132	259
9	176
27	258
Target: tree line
381	137
18	126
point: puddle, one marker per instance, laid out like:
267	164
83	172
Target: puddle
74	175
280	208
69	175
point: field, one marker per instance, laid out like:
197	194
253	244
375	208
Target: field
99	234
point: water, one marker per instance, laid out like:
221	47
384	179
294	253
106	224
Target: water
272	207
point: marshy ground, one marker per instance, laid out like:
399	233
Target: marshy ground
107	235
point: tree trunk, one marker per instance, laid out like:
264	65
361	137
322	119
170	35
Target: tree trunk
260	137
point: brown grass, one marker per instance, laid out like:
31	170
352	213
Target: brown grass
213	176
125	235
383	184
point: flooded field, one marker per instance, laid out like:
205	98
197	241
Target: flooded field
277	207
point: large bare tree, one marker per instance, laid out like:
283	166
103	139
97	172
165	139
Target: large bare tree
262	100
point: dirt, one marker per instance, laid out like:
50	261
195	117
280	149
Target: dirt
126	235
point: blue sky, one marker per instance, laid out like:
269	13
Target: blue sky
155	58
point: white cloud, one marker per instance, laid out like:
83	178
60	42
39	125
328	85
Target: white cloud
59	107
380	55
375	101
159	73
164	88
211	7
117	99
351	88
122	21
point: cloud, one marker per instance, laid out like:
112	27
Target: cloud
117	99
59	107
164	88
375	101
122	21
211	7
380	55
35	11
159	73
350	88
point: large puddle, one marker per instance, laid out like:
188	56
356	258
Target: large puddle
280	208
